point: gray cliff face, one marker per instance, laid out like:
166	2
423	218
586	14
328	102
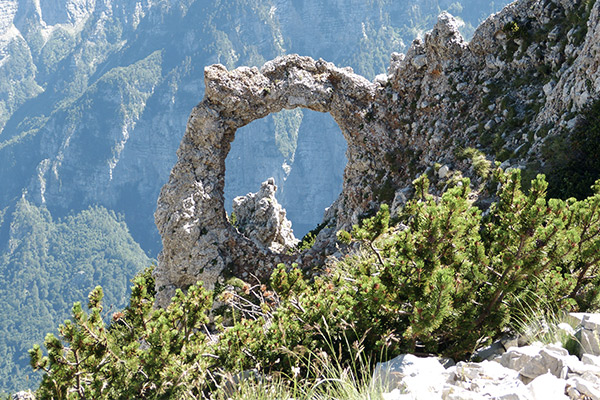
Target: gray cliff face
316	176
54	12
444	94
8	9
254	158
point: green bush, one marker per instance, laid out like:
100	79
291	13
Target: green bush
441	281
144	353
481	166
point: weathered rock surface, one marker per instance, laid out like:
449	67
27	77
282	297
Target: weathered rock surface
23	396
261	219
588	333
532	372
496	93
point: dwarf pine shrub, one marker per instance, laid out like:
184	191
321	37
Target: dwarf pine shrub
441	280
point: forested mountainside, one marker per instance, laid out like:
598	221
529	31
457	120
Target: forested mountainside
50	264
94	98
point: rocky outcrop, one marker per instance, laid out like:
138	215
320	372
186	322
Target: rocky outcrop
260	218
530	372
497	93
199	243
8	9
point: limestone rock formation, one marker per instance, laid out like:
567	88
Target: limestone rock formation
261	219
527	71
532	372
199	243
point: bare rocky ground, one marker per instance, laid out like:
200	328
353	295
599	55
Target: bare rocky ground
508	371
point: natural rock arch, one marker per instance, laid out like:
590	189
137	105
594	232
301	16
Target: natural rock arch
199	242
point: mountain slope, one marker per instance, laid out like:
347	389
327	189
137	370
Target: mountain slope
51	264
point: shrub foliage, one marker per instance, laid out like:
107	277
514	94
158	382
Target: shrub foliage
442	279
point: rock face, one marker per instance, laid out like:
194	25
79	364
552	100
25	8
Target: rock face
444	94
261	219
316	176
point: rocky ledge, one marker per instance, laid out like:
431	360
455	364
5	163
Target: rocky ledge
509	372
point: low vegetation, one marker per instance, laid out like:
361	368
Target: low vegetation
442	279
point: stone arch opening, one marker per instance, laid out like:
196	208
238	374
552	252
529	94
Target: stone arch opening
199	243
304	151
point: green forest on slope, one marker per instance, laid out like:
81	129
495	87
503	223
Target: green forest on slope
51	264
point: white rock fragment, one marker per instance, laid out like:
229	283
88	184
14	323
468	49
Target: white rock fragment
396	394
585	387
589	359
423	377
546	387
517	357
588	334
443	171
411	377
